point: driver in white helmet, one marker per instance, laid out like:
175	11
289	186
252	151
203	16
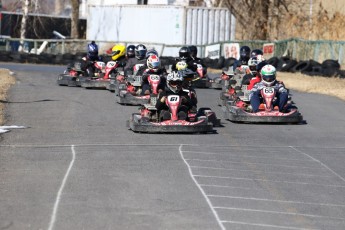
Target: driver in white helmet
173	87
268	79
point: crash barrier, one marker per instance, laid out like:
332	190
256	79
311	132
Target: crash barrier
327	68
293	48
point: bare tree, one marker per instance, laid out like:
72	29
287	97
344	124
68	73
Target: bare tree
25	7
75	19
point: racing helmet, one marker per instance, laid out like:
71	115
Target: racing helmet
184	53
174	81
118	51
151	52
92	51
254	62
140	51
153	63
256	52
130	51
181	65
244	54
268	75
193	51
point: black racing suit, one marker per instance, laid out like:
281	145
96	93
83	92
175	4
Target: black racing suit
163	109
88	65
131	63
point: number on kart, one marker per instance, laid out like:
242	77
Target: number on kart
154	77
111	64
173	98
268	90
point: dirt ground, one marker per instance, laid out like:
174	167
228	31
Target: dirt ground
299	82
6	80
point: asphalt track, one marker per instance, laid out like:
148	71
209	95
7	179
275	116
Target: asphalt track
77	166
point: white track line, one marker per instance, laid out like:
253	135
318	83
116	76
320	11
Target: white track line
201	190
276	212
255	157
278	201
273	181
260	171
58	197
267	225
303	153
245	162
168	144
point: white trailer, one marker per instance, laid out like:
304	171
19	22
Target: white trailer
164	27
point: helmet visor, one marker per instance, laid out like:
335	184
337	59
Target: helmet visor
175	83
269	78
141	53
115	52
155	64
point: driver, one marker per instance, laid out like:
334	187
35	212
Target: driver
268	79
87	64
173	87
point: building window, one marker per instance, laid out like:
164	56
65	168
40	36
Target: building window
142	2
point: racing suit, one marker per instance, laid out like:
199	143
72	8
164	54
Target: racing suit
251	80
88	67
281	94
145	86
163	110
131	63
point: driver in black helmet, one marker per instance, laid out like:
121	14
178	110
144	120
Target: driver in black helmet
256	52
140	54
197	61
244	57
185	56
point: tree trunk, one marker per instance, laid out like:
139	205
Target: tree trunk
75	19
25	6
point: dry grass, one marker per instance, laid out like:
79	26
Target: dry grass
304	83
6	80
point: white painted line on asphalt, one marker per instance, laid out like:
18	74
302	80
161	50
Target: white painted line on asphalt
255	157
227	186
83	145
258	171
267	225
168	144
201	190
276	212
245	162
273	181
303	153
278	201
58	197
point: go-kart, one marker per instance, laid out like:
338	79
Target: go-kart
239	110
114	76
129	93
147	121
72	76
101	76
230	85
118	82
201	80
